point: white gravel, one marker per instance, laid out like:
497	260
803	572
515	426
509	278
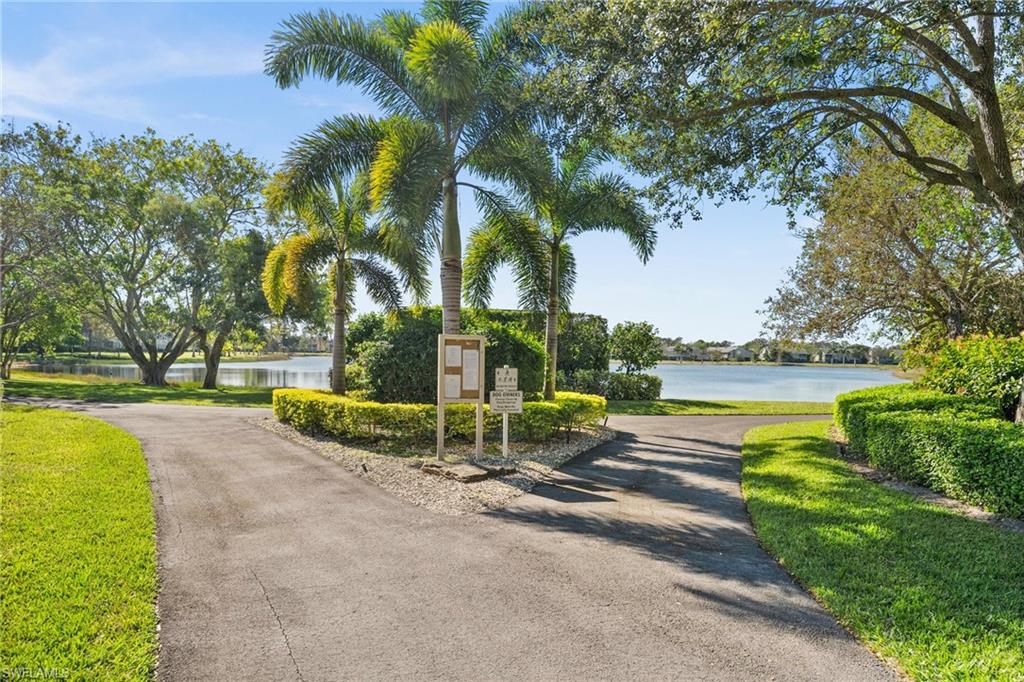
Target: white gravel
398	470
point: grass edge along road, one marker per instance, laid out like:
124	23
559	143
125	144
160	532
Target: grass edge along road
938	593
101	389
78	549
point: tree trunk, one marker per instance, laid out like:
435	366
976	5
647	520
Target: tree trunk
153	372
211	355
338	352
551	328
451	261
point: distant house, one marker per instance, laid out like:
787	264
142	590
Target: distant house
669	352
796	356
834	357
733	353
885	356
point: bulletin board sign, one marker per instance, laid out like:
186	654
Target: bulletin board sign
460	379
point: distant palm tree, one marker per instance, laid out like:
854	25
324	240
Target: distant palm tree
451	91
560	198
339	239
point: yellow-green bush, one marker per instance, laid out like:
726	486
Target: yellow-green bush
347	417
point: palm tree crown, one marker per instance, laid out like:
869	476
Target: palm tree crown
559	198
338	239
449	90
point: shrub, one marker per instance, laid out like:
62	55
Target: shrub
348	417
613	385
583	344
980	461
401	360
981	367
852	409
636	346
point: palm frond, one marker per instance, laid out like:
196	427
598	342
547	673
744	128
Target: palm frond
399	26
335	149
485	252
272	279
381	284
346	50
566	275
442	56
405	176
579	163
607	203
468	14
306	254
524	164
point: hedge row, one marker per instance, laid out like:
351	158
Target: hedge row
955	445
346	417
612	385
852	409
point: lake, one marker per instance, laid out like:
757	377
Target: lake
697	381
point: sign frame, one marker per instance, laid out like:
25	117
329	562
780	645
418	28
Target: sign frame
454	351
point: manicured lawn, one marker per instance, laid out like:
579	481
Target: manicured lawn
695	407
37	385
77	548
940	594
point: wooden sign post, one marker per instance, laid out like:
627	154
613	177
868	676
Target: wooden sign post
460	379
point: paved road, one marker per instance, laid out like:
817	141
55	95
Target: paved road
637	562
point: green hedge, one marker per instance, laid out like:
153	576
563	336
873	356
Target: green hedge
979	461
401	357
346	417
613	385
954	444
852	409
979	366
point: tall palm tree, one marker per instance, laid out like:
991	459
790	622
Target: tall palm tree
339	239
450	90
560	198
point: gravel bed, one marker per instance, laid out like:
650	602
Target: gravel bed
398	470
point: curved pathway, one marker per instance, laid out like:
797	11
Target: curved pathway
637	561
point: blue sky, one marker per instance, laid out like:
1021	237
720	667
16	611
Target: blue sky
113	68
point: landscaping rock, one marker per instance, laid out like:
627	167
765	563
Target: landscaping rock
462	472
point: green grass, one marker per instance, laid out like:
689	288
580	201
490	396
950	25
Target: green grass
88	387
940	594
77	548
723	407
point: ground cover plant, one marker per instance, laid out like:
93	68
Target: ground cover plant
940	594
77	548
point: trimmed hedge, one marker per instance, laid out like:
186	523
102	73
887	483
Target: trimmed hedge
613	385
956	445
979	461
852	409
346	417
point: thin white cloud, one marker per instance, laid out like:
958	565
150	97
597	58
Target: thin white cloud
98	75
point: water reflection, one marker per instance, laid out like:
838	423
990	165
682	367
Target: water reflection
696	381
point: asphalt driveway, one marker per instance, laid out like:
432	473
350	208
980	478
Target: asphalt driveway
637	562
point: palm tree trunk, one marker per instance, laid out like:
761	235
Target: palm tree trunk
1019	417
551	328
451	261
338	352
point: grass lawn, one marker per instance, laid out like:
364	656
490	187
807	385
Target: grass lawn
86	387
77	549
695	407
938	593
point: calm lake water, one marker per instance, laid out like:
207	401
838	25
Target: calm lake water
697	381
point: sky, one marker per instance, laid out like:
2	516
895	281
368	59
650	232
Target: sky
179	68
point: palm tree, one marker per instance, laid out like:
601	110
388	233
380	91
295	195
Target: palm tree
450	90
338	238
560	198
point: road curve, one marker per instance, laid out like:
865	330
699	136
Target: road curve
637	562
